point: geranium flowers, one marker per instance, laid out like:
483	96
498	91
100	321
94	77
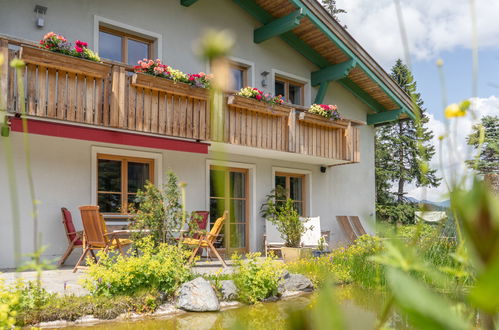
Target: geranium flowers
326	111
255	93
57	43
156	68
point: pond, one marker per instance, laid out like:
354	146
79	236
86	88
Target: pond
360	308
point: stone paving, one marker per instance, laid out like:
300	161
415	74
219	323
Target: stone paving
64	281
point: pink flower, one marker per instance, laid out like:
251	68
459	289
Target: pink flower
258	97
202	74
143	65
81	44
78	49
49	35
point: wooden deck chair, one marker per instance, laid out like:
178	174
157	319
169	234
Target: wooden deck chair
206	240
75	238
357	225
95	234
347	228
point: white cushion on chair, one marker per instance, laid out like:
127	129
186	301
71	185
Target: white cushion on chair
313	234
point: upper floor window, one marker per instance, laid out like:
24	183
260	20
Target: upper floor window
239	74
291	91
123	47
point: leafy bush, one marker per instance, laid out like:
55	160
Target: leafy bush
345	265
163	268
256	279
159	210
9	303
396	213
288	223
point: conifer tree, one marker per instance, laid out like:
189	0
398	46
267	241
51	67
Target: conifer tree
488	159
404	148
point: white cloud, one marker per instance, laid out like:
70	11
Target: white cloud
454	149
432	26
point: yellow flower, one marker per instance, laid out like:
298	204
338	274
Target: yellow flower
454	110
440	62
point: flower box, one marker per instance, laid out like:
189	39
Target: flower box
169	86
63	62
311	118
258	106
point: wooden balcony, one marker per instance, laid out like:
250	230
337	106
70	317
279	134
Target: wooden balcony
108	95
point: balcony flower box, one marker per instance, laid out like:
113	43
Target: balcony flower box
169	86
258	106
41	57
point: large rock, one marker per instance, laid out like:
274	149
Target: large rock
198	296
295	282
228	290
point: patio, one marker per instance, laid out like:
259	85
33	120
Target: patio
64	281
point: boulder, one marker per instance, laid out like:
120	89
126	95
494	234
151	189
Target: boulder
198	296
295	282
228	290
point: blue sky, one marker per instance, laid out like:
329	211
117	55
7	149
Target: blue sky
458	74
436	29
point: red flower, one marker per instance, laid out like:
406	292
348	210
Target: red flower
78	49
81	44
258	97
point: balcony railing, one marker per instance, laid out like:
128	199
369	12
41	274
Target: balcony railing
70	89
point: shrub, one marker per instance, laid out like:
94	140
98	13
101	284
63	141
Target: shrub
159	209
397	213
163	268
288	223
256	279
345	265
9	303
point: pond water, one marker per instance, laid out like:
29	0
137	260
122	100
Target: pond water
359	307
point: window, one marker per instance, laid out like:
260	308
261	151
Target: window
123	47
229	191
118	180
239	74
294	185
291	91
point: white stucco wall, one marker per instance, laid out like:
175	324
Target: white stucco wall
62	167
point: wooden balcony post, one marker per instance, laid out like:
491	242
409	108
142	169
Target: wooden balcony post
117	110
292	131
4	73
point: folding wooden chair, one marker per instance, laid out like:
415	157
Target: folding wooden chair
347	228
205	241
95	234
75	238
357	225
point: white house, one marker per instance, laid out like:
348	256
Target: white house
97	132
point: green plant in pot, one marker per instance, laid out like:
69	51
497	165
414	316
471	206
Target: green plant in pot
285	217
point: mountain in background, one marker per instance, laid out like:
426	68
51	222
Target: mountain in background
439	205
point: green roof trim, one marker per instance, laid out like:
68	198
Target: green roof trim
319	98
333	72
277	27
314	57
187	3
384	117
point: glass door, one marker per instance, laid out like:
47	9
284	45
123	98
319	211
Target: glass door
229	191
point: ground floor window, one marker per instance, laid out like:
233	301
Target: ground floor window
229	190
118	180
294	188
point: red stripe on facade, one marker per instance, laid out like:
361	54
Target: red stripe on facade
106	136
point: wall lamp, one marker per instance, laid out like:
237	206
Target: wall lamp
40	15
264	78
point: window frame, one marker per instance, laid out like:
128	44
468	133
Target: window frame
288	176
244	68
124	176
124	42
287	82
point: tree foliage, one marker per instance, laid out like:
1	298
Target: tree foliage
487	161
404	149
333	9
